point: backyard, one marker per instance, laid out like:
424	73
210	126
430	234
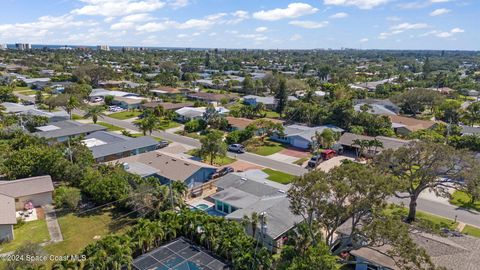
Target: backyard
79	231
279	177
32	232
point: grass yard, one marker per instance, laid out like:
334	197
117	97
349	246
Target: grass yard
473	231
279	177
110	126
136	135
79	231
462	199
300	161
33	232
219	161
168	125
27	92
21	88
424	220
272	114
77	117
125	115
267	149
193	135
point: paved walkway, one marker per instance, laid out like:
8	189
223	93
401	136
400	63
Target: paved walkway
52	224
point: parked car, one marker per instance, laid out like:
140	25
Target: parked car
162	144
328	154
97	99
236	148
314	161
222	172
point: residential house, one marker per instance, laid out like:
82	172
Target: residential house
168	91
20	109
300	136
36	83
450	252
168	167
186	114
269	101
128	103
61	131
15	194
212	97
238	196
347	140
238	123
166	105
108	146
102	93
469	130
377	106
403	125
118	84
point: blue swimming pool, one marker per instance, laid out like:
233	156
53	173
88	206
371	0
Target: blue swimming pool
209	210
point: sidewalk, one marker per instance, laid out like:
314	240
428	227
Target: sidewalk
52	224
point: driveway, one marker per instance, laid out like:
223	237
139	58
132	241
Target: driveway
327	165
52	224
241	165
283	158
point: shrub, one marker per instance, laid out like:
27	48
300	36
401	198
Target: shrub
195	125
67	197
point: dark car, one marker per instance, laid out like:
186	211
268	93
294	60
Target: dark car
314	161
222	172
162	144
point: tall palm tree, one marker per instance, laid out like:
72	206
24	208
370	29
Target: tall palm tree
148	123
94	112
71	104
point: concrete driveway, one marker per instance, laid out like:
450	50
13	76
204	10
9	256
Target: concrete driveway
327	165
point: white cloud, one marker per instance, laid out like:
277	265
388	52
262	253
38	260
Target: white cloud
440	11
204	23
363	40
309	24
115	8
212	34
42	27
296	37
362	4
256	37
293	10
439	1
261	29
182	35
339	15
178	3
409	26
445	34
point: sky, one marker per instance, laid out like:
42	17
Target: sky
261	24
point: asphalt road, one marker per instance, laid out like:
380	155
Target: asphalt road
248	157
433	207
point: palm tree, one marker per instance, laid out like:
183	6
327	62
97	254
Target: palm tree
94	112
71	104
472	113
148	123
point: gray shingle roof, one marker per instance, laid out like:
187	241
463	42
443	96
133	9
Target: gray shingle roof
122	146
7	210
308	132
26	186
388	143
68	128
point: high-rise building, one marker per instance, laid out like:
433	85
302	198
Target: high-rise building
103	48
23	46
3	47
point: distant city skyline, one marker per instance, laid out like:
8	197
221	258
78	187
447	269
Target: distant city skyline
300	24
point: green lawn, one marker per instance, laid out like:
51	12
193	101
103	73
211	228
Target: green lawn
279	177
110	126
219	161
27	92
462	199
136	135
79	231
21	88
300	161
473	231
272	114
125	115
33	232
269	148
193	135
424	220
76	117
168	125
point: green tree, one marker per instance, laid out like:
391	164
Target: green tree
95	112
472	113
148	123
281	96
265	128
67	197
423	165
213	145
